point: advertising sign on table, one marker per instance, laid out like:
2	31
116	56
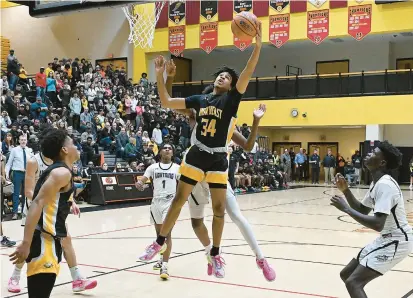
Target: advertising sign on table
176	40
359	21
279	32
318	25
208	38
279	5
240	6
176	11
209	9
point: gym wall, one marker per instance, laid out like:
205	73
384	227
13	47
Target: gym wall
94	34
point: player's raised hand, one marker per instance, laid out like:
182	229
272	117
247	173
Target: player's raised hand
260	111
170	68
258	38
160	65
341	183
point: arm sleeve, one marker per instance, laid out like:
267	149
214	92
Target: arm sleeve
193	102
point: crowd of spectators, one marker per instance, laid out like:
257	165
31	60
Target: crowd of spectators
102	109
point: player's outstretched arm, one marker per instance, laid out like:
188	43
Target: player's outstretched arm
375	222
248	144
249	69
58	179
166	100
170	75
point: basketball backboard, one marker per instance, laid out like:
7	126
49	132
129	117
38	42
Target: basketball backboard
46	8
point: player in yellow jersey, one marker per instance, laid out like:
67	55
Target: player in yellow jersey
46	220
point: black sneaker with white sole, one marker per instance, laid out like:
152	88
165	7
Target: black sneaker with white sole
7	242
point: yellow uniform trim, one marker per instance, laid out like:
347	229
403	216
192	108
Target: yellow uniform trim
231	129
49	217
216	177
191	172
47	261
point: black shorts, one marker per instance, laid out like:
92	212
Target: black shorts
199	165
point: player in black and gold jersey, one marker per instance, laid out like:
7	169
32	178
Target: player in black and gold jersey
207	158
45	222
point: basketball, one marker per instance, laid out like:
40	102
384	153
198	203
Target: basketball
244	25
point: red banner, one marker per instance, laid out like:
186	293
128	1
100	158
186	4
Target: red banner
176	40
318	25
242	44
359	21
279	32
208	38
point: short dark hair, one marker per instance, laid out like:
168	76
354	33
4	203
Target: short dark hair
52	142
234	75
392	155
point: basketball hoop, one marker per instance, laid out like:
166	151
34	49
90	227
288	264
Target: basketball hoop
142	20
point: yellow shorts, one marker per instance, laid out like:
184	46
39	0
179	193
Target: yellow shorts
45	254
199	165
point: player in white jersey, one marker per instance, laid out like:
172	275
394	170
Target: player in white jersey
386	200
164	176
200	195
36	165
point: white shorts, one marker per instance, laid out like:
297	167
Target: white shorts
199	198
385	252
159	210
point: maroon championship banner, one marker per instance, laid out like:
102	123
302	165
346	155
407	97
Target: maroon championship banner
242	44
359	21
318	25
208	37
176	40
279	32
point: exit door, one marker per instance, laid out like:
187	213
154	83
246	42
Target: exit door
322	151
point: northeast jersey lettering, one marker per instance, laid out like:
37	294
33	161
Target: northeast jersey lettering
216	119
211	111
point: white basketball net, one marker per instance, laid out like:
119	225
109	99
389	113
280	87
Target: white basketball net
142	22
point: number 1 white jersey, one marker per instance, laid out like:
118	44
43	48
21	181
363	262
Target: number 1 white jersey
164	178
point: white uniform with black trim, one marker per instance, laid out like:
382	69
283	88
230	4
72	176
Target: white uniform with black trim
396	240
164	179
41	167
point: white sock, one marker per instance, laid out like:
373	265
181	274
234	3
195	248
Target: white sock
208	248
16	273
165	264
75	272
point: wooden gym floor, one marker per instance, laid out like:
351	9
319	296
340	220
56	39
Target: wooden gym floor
306	240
